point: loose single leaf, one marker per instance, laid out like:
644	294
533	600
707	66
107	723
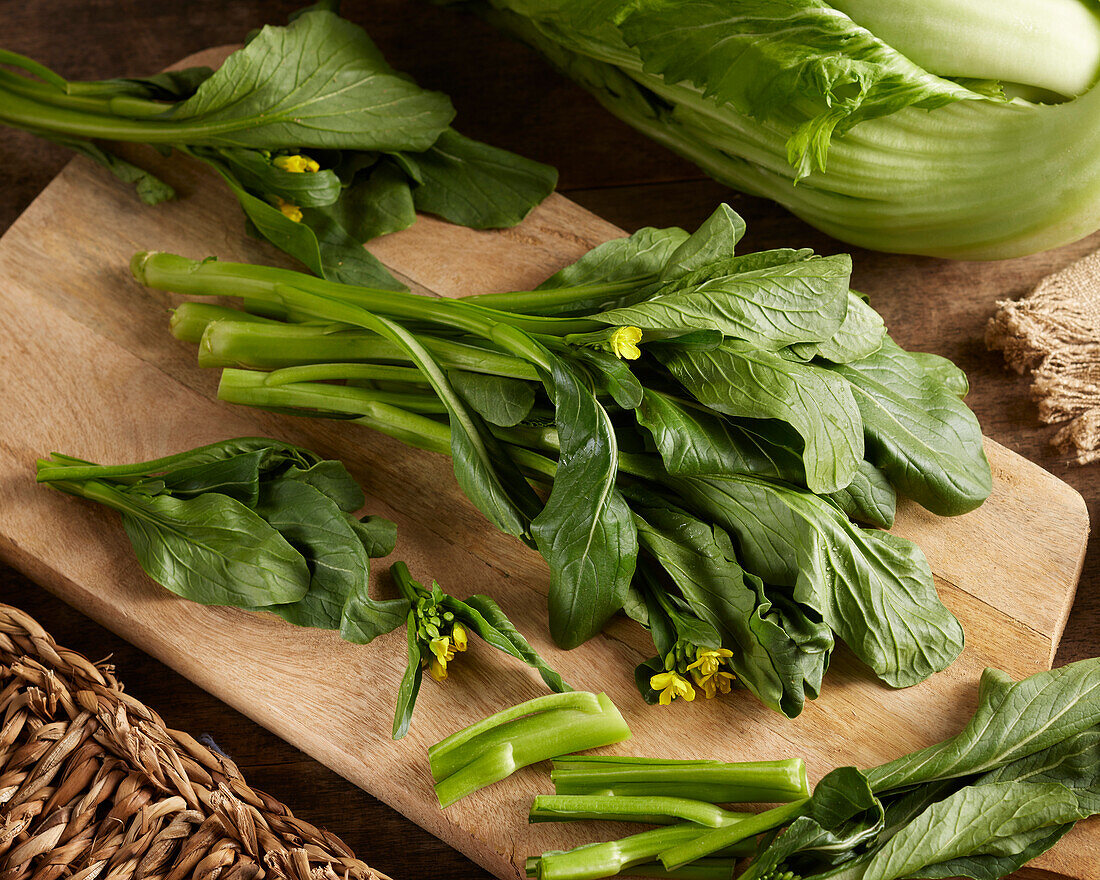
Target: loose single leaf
214	550
477	185
1013	720
713	241
348	97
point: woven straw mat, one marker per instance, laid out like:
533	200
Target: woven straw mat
93	785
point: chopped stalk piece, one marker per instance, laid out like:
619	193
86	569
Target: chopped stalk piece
651	810
494	748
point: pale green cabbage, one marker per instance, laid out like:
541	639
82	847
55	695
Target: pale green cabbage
795	101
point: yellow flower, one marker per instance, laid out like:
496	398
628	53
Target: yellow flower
290	210
709	661
437	670
713	684
296	164
672	685
458	636
624	343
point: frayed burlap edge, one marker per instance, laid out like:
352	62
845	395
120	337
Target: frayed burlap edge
1055	332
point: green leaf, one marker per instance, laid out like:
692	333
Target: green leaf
319	530
171	85
739	379
772	307
343	258
860	336
212	549
485	617
497	399
712	242
585	532
377	202
941	370
872	588
347	97
333	480
377	534
255	172
870	497
613	375
477	185
1013	720
237	476
926	440
641	256
289	236
768	57
842	815
410	682
150	188
977	820
701	562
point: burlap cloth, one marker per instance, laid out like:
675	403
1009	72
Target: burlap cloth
1055	332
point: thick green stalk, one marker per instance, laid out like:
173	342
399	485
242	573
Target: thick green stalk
713	781
251	389
651	810
250	342
216	278
190	319
615	856
496	747
718	839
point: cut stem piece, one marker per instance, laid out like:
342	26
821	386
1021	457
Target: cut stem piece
651	810
714	781
493	749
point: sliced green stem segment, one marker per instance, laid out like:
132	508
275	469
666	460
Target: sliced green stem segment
543	728
718	839
712	781
613	857
651	810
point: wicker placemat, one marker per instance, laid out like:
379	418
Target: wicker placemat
93	785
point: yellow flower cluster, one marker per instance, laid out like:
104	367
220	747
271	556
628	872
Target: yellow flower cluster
706	671
296	164
290	210
443	651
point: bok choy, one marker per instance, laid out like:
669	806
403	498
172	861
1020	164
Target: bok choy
954	128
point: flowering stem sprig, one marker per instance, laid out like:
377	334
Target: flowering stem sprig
439	627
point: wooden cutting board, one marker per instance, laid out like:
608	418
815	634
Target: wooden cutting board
87	367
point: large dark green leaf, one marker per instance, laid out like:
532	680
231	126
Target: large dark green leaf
214	550
585	532
313	524
477	185
872	588
345	97
739	379
1013	720
859	336
342	257
1074	762
922	436
772	307
377	201
977	820
870	497
333	480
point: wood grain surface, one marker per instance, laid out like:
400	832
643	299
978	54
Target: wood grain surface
504	94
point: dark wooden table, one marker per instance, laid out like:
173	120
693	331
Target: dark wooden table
505	94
